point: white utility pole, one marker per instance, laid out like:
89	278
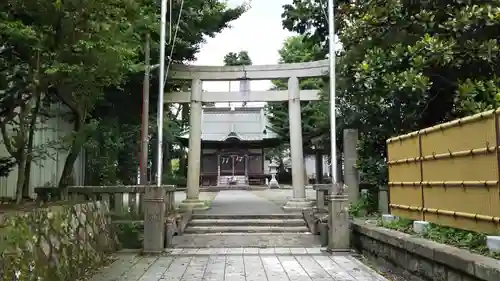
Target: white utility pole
332	54
145	116
161	90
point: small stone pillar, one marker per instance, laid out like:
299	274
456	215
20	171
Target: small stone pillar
194	153
154	220
351	175
320	199
383	200
319	165
273	183
170	229
321	194
338	214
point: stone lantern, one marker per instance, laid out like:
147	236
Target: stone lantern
273	169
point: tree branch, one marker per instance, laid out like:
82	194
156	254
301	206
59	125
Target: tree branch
7	141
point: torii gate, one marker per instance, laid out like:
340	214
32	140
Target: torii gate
293	72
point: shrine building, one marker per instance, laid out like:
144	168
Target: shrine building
233	143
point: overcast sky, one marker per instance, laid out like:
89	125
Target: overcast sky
258	31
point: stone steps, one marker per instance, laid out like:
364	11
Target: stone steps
233	180
247	222
238	240
225	224
267	216
246	229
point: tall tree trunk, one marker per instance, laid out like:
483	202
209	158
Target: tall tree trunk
37	94
29	148
167	163
76	147
21	167
16	150
21	153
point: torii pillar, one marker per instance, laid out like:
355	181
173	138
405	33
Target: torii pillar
194	153
299	201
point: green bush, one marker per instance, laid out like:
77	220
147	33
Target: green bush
130	234
468	240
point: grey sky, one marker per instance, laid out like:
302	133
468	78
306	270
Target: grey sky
257	31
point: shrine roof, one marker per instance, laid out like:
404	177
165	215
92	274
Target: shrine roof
247	124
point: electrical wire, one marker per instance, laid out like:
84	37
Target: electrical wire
174	41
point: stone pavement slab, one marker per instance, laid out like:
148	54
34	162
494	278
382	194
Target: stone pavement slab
241	202
239	264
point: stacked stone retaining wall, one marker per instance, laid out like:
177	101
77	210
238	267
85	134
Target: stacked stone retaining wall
55	243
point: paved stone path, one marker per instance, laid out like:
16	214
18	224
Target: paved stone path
239	264
240	202
240	256
244	202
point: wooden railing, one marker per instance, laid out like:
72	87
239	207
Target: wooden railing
114	196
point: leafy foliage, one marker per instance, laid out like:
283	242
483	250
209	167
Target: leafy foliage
469	240
234	59
314	114
130	234
241	58
86	57
401	224
405	65
198	19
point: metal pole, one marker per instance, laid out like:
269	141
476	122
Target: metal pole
333	125
161	87
145	117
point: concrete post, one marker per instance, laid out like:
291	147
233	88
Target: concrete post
383	200
194	153
299	201
170	228
306	177
154	220
338	215
319	166
351	175
320	200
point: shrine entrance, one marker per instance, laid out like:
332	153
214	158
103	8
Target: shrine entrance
233	164
236	164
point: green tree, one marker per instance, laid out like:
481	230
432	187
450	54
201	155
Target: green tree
406	65
234	59
199	19
241	58
51	41
87	57
296	49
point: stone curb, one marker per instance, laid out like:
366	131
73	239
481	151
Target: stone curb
481	267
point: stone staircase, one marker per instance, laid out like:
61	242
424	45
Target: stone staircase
243	224
230	180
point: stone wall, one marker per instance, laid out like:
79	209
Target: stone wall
58	243
420	259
